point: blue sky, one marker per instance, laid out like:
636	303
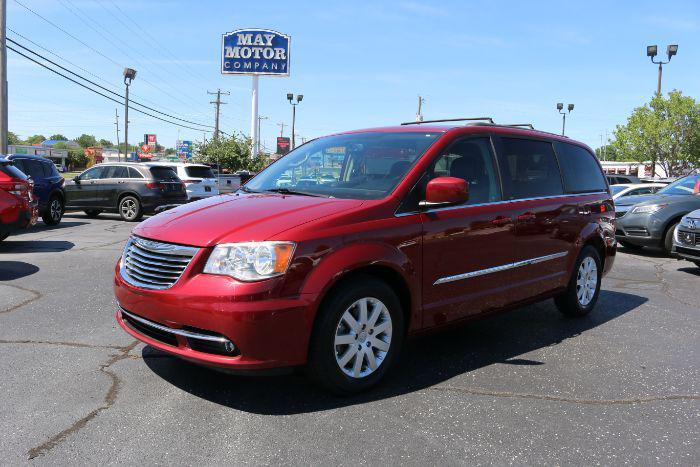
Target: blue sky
358	64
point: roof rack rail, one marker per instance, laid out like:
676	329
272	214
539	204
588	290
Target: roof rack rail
487	119
520	125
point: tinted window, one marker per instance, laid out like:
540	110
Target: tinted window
163	173
34	168
117	171
528	169
12	171
133	173
471	160
19	163
580	169
49	169
92	173
199	172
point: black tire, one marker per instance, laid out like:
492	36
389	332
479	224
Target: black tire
130	209
631	246
568	302
92	213
54	211
4	236
323	366
668	238
697	263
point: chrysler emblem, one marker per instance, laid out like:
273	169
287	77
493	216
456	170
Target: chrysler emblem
153	246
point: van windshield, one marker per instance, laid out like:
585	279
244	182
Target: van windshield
353	166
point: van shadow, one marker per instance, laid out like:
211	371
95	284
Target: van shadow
12	270
425	362
35	246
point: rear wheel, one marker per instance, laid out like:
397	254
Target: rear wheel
357	336
54	211
583	290
130	209
93	212
668	238
697	263
4	236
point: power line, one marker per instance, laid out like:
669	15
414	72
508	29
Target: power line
99	93
102	87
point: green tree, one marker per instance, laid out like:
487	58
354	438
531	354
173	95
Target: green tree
232	153
607	152
86	140
58	137
36	139
77	158
105	143
60	145
665	131
13	138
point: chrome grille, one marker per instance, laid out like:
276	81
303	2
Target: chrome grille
154	265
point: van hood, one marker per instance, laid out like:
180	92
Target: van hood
238	218
630	200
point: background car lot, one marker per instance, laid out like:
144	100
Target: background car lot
526	387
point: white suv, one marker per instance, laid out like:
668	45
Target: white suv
200	181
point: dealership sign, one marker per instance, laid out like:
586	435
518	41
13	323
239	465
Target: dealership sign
255	52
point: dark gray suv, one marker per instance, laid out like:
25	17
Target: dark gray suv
653	218
130	189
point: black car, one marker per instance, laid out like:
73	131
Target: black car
48	185
131	189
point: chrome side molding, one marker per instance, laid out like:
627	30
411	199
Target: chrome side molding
503	267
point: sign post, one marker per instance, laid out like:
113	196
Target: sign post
255	52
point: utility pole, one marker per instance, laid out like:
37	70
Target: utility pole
3	78
290	98
419	114
116	123
218	103
259	138
281	125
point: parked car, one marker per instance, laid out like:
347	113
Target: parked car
18	208
199	179
622	179
130	189
425	227
48	185
650	220
635	189
686	239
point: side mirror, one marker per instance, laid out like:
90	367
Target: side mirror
76	179
444	191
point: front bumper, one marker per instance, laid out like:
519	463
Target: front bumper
686	244
640	229
267	332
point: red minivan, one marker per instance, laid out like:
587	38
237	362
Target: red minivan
335	253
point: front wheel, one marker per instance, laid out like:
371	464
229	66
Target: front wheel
583	290
130	209
357	336
4	236
668	238
54	211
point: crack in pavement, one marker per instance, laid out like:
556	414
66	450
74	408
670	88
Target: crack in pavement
66	344
109	400
36	296
545	397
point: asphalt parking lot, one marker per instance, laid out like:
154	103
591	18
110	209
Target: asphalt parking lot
526	387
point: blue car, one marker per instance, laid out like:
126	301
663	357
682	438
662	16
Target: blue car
48	185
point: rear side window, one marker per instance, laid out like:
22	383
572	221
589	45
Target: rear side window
49	169
580	169
118	171
34	168
528	169
12	172
163	173
19	163
133	173
199	172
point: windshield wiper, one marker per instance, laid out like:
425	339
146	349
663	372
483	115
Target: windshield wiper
287	191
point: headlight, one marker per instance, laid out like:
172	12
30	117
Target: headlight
648	209
689	222
252	261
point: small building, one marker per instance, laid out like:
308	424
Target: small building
637	169
57	156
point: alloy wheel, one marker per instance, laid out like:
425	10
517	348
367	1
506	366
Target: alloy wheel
363	337
586	281
55	210
129	209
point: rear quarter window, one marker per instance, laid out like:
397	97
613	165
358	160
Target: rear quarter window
199	172
528	169
579	169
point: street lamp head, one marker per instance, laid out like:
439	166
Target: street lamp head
651	51
129	73
300	97
570	107
671	50
290	96
560	106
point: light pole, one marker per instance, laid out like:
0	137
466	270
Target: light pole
671	50
259	138
129	75
560	108
290	98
